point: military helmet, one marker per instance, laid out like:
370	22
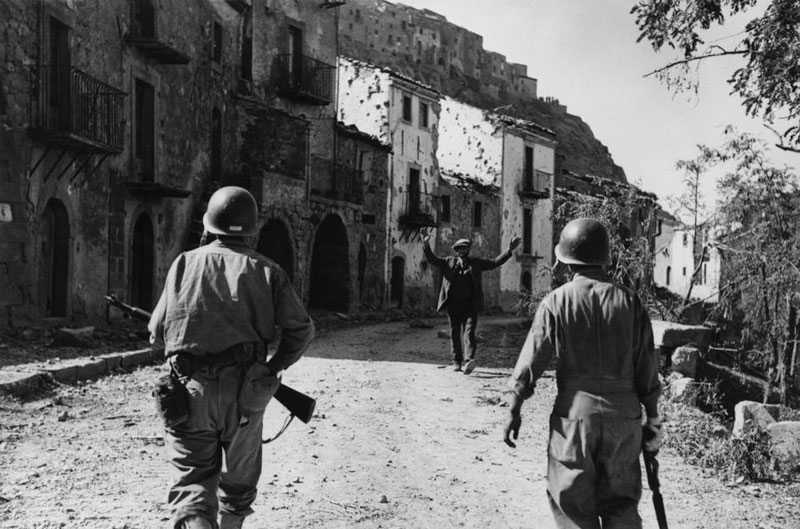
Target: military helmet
231	211
462	243
583	241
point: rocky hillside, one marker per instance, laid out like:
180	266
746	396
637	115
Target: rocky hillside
451	59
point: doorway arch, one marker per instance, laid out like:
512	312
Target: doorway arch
397	282
55	261
274	242
142	263
330	267
362	270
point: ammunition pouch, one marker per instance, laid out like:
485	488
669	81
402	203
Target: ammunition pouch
257	384
172	400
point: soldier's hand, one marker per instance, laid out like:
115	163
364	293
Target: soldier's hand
426	237
514	242
651	435
511	428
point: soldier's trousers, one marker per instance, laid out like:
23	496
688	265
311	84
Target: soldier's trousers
593	471
222	400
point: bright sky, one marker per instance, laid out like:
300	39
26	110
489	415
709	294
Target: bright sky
584	52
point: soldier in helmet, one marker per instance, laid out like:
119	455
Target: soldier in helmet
218	312
461	294
606	371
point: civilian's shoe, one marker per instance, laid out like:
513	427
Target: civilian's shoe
230	521
471	363
196	522
456	366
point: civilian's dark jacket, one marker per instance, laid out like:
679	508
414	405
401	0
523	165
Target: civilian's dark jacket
477	266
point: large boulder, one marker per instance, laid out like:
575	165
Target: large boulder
785	442
684	360
684	390
749	414
667	334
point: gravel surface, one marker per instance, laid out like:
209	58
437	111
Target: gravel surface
398	440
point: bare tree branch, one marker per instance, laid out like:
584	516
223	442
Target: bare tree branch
693	59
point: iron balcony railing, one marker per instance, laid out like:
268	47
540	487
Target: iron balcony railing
304	78
419	209
336	180
537	184
72	107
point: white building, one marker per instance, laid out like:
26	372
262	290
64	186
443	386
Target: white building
517	158
403	113
677	257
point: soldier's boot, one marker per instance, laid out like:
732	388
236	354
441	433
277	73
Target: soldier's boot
230	521
196	522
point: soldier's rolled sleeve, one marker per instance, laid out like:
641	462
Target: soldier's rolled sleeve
297	328
535	354
648	386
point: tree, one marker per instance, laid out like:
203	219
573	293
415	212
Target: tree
691	203
628	215
770	45
759	208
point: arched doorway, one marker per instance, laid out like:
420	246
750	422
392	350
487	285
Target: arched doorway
397	281
527	284
330	267
142	263
54	271
275	243
362	269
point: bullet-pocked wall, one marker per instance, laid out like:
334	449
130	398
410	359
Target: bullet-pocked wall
405	114
473	212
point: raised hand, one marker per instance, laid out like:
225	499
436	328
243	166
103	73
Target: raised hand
514	242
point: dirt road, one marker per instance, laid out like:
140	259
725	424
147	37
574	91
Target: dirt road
398	441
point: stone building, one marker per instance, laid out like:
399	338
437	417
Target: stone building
511	164
118	119
424	45
403	113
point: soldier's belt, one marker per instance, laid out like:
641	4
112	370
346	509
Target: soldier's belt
243	354
597	385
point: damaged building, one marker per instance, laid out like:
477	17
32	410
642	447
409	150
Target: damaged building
119	119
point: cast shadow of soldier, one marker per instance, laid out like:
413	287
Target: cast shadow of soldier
427	341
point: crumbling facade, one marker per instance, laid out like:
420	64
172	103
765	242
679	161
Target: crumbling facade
514	161
119	119
424	45
403	113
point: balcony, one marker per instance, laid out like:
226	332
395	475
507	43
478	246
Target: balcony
143	35
536	185
418	210
305	79
72	109
335	181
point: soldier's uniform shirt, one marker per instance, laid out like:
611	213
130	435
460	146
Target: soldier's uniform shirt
215	299
606	370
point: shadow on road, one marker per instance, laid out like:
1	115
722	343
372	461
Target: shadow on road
424	341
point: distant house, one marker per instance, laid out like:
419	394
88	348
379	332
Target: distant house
677	256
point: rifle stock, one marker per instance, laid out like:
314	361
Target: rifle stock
299	404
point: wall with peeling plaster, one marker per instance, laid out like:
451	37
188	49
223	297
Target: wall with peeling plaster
372	100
